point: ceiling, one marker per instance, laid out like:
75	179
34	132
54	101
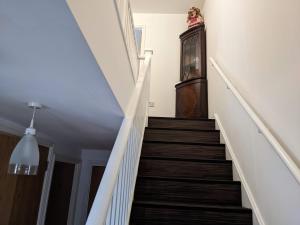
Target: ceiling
44	57
164	6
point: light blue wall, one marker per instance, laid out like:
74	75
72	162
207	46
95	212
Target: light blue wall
138	37
44	57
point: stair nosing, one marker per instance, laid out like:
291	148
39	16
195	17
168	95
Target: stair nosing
186	143
190	180
174	118
224	161
162	204
183	129
182	158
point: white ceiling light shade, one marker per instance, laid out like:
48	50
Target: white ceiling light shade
25	157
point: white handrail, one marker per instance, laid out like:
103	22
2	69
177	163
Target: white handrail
282	153
112	204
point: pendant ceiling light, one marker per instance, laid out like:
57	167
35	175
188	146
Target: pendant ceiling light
25	157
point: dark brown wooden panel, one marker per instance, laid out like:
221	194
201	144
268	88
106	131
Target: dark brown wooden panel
154	214
186	169
188	136
183	151
192	99
7	182
191	93
97	173
60	194
159	122
188	191
28	194
19	195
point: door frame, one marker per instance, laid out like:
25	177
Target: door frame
72	206
46	187
52	158
90	158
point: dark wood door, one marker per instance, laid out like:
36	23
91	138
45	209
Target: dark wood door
60	194
19	195
97	174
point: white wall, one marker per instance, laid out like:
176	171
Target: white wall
257	44
100	25
269	187
165	6
162	36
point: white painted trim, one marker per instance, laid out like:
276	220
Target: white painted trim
240	172
72	205
46	187
282	153
77	163
90	158
90	164
52	158
138	163
116	5
149	51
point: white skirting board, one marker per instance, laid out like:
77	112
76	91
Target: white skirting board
240	172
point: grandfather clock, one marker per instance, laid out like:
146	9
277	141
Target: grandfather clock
191	92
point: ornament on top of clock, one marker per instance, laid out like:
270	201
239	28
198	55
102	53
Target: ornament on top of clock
194	17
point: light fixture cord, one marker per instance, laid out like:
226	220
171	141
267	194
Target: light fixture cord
33	116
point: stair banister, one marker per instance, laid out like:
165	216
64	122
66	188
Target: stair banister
112	204
262	128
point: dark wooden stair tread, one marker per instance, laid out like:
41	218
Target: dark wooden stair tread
186	215
165	213
192	180
187	160
186	143
161	122
188	190
181	129
182	150
176	118
182	135
160	204
190	168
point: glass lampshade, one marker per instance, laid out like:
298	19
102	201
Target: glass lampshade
25	157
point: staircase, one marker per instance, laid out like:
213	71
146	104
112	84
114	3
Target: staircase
184	178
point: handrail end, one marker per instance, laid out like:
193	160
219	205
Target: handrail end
149	51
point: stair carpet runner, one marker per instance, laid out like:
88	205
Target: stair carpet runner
184	177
